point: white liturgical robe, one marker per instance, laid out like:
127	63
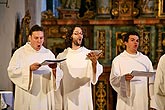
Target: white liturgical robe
78	76
39	94
159	85
138	98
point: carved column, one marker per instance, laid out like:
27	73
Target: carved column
146	43
141	29
159	49
101	41
152	45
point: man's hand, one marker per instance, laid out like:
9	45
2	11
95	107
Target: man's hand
128	77
93	57
53	66
34	66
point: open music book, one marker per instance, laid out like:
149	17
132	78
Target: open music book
125	85
143	73
47	62
96	51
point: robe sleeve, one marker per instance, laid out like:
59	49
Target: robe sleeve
117	80
57	80
99	71
18	74
115	77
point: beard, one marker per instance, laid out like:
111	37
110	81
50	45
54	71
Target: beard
77	43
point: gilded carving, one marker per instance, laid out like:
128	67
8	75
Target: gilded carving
159	50
25	24
63	31
135	12
147	6
120	45
161	8
101	42
146	43
101	96
119	42
115	12
124	9
103	10
47	15
53	30
163	42
141	30
115	9
103	7
89	13
72	4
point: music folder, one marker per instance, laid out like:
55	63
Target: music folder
47	62
143	73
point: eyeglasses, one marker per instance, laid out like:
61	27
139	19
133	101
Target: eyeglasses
77	33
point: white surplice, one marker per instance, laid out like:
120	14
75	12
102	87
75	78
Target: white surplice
77	79
138	98
159	85
40	94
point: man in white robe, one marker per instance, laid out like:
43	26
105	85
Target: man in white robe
132	92
159	84
35	84
80	68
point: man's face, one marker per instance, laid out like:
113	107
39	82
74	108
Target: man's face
77	36
132	44
36	40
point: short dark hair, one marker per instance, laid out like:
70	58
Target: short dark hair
126	36
68	40
35	28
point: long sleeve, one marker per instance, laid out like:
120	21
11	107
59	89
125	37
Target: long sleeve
57	80
19	75
99	71
115	77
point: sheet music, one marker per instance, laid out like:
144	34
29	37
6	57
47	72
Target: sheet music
143	73
47	62
96	51
5	91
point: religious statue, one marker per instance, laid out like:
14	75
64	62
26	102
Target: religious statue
71	4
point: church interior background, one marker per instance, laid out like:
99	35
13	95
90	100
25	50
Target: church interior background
105	22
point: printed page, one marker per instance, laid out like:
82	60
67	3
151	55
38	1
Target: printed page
143	73
96	51
47	62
